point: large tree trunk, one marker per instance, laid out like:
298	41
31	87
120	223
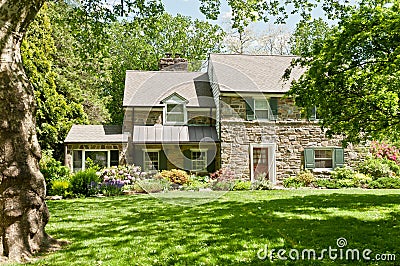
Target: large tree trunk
23	211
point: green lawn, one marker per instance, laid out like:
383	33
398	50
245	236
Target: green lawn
144	230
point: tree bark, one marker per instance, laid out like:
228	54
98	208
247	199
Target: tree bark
23	210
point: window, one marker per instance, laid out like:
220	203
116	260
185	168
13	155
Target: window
323	158
261	108
199	160
151	160
98	157
77	160
175	113
103	158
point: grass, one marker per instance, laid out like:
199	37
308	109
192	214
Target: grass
229	230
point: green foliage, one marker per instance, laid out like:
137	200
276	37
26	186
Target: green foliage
153	185
385	182
261	184
375	167
85	182
343	173
292	182
305	177
242	185
55	111
175	176
52	170
61	188
90	164
354	75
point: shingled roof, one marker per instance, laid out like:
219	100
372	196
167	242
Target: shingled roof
149	88
252	73
96	134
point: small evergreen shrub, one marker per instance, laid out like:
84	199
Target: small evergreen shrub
343	173
85	183
262	184
292	182
242	185
175	176
52	170
306	178
61	188
375	167
385	182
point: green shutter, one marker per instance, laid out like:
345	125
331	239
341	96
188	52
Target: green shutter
187	160
162	160
338	157
273	104
211	154
309	158
249	108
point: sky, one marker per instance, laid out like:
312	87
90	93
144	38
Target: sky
191	8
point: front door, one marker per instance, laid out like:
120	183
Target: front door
262	162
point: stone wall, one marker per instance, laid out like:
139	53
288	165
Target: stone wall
201	118
290	137
147	117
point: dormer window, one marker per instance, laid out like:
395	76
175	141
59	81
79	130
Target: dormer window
175	110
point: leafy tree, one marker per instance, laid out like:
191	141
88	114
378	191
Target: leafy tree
54	116
353	75
24	213
135	45
308	35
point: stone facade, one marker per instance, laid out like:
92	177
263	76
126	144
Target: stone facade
290	134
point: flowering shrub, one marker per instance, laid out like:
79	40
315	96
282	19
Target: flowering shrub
223	179
384	150
175	176
223	174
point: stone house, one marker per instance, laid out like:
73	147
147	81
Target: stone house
235	115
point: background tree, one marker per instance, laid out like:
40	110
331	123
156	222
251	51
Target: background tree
353	75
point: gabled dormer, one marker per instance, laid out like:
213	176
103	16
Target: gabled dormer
175	112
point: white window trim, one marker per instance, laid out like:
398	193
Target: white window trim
166	122
271	160
84	155
144	157
205	158
332	149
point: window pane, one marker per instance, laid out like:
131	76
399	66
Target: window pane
261	104
114	158
261	114
176	108
323	163
98	157
175	118
151	161
77	164
323	154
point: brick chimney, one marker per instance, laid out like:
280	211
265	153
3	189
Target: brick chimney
169	63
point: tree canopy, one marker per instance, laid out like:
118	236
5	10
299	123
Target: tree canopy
353	76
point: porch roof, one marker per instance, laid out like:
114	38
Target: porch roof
174	134
96	134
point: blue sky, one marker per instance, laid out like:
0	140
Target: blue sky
191	8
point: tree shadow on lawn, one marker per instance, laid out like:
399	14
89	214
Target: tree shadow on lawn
145	231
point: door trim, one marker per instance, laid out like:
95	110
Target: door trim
271	160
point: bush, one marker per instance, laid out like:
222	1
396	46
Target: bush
85	182
383	150
52	170
223	174
61	188
343	173
112	187
306	178
154	185
385	182
262	184
375	167
292	182
242	185
222	185
175	176
196	183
